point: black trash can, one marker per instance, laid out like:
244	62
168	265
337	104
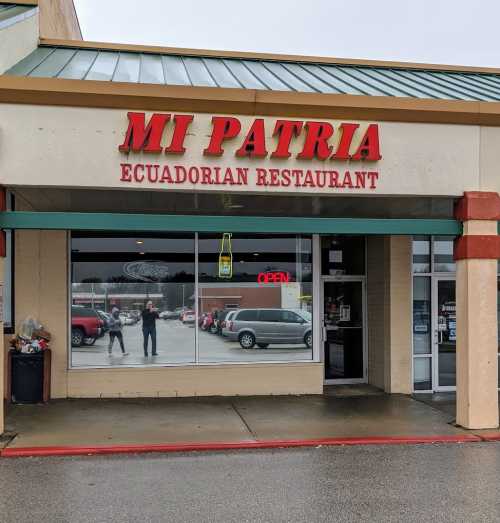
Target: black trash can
27	378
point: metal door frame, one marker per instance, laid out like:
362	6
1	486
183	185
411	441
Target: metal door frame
340	279
434	325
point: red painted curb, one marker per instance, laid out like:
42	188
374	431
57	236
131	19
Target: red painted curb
13	452
490	437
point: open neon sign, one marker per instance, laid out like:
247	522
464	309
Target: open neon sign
264	278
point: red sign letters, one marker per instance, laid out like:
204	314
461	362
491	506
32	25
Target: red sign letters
317	139
148	138
273	277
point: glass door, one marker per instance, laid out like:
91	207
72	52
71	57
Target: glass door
343	331
445	333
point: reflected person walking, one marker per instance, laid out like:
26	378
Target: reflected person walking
149	317
115	331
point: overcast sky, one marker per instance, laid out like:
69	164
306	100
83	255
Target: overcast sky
437	31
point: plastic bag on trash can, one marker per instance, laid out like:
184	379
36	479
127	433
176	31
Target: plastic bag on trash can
27	327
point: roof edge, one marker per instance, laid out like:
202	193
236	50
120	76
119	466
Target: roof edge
152	97
136	48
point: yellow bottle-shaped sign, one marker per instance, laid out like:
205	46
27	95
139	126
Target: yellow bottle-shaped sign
226	257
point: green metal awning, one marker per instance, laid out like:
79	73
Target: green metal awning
247	224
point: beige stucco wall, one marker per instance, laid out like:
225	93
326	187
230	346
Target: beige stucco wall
222	380
41	291
417	159
489	166
377	290
399	354
17	41
389	313
477	343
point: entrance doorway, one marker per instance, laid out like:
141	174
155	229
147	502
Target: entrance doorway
344	330
445	333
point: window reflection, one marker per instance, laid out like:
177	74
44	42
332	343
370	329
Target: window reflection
422	374
421	254
421	315
132	300
443	254
259	308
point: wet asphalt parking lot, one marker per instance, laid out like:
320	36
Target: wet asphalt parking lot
438	483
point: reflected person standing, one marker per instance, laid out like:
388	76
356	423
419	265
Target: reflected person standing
149	317
115	331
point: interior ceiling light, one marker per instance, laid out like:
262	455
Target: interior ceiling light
139	242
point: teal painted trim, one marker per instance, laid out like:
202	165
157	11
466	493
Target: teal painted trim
191	223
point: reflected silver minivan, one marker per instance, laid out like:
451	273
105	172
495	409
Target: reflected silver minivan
270	326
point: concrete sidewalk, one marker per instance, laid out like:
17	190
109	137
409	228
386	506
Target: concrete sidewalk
339	413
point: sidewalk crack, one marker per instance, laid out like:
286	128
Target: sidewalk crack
243	420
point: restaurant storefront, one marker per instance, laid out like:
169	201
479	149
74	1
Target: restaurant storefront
294	222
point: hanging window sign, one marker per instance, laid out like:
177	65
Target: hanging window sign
452	326
226	257
345	313
146	270
264	278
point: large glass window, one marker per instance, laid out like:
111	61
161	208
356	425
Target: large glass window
443	254
137	300
132	300
421	254
446	333
265	282
422	374
422	315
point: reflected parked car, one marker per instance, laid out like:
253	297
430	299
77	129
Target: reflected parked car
135	315
170	315
105	317
221	321
188	317
266	326
127	319
226	322
86	326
